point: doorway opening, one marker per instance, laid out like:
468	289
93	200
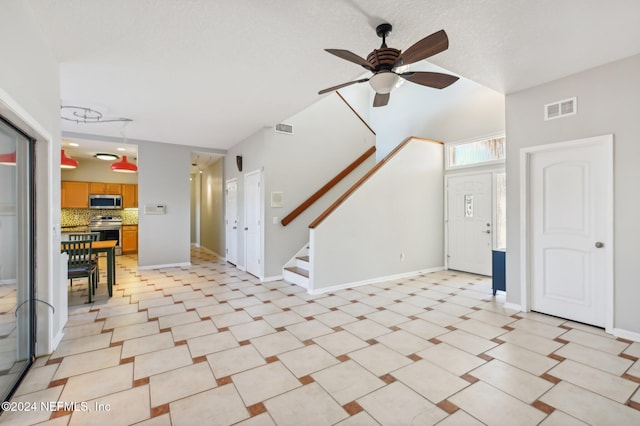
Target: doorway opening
207	202
475	212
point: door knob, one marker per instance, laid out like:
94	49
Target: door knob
599	244
246	229
486	232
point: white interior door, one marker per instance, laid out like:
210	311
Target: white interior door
252	223
231	221
570	201
469	220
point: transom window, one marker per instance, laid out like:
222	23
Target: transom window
475	153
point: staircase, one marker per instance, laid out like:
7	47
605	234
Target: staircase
296	271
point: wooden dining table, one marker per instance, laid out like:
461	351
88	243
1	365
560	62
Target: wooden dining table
109	247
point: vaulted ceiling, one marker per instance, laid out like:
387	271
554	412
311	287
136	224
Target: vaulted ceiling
210	73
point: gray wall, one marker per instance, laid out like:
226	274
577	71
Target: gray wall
211	208
163	178
94	170
608	102
391	226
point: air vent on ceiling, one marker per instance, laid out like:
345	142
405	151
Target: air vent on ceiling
287	129
561	109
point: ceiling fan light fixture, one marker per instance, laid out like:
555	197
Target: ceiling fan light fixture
383	82
123	166
67	162
106	157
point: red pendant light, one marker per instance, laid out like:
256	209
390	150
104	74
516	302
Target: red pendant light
67	162
123	166
8	159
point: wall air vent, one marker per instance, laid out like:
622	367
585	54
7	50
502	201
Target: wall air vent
561	109
287	129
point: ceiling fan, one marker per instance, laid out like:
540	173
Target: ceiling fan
384	62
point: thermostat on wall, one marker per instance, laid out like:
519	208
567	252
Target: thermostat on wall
155	209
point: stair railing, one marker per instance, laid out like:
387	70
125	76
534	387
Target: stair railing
327	187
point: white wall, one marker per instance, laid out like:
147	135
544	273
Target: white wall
464	110
391	225
359	97
327	137
608	102
30	97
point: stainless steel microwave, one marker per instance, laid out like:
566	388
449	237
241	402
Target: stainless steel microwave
105	201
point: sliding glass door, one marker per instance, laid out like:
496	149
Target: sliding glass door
17	323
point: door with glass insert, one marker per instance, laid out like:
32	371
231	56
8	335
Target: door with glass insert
16	257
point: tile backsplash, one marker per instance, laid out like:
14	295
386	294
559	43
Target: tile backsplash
81	217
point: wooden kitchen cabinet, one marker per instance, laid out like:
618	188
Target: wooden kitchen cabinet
104	188
129	195
75	195
129	239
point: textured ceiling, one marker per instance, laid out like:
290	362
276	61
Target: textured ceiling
210	73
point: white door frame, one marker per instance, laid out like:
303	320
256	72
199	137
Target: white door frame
525	221
261	218
494	171
227	218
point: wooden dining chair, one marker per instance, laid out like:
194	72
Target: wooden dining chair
93	236
81	263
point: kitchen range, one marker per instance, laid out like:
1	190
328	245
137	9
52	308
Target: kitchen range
109	227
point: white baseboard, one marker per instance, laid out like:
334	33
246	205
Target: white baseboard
373	280
513	306
167	265
56	341
273	278
626	334
7	282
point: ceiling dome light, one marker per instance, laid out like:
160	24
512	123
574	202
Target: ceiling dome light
8	159
123	166
67	162
106	157
383	82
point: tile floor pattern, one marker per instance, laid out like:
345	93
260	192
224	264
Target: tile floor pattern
210	344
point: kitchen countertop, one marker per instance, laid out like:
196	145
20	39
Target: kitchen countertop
72	229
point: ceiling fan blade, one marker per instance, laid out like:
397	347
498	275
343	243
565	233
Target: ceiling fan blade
381	100
340	86
351	57
436	80
428	46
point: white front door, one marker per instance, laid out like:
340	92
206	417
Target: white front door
570	187
252	222
231	221
469	222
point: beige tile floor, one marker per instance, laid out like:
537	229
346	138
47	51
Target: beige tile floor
210	344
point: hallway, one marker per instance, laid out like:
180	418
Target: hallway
211	344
